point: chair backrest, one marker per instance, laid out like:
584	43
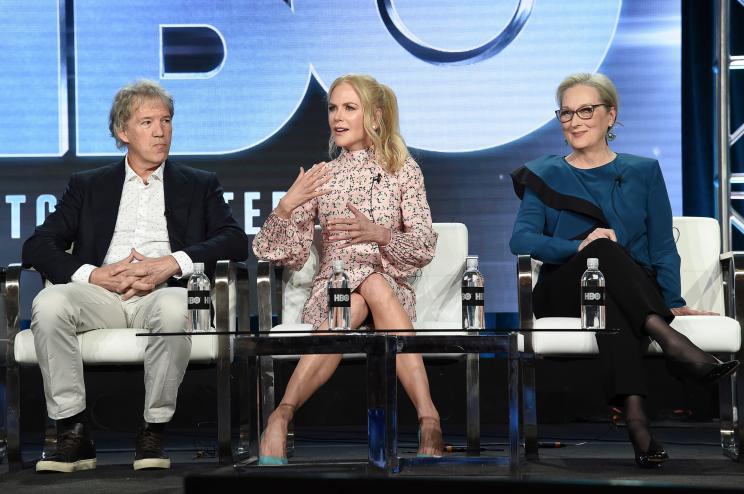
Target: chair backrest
296	284
437	285
699	245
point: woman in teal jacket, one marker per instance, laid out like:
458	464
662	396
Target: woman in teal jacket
595	203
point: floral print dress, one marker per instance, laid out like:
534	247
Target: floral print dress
397	202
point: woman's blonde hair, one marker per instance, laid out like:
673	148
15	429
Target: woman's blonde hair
600	82
390	148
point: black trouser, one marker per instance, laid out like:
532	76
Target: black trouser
631	295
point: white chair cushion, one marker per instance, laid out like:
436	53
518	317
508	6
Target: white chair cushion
698	244
307	329
115	347
552	343
716	334
711	333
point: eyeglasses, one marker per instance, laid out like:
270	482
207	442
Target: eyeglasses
584	113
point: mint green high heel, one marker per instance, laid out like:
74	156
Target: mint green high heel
270	460
422	455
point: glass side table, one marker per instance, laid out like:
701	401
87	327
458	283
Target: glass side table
381	349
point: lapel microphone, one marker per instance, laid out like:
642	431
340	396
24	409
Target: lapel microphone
377	179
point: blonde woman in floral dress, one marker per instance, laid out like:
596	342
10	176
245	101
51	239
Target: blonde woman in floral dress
371	205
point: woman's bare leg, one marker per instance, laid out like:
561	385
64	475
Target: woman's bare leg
311	373
388	313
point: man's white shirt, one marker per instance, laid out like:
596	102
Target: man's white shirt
141	224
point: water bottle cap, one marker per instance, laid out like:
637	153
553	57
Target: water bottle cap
338	266
471	262
592	263
198	267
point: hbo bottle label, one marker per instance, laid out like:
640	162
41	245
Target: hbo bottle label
199	299
339	297
472	296
594	295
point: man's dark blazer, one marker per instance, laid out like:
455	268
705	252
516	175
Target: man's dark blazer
199	221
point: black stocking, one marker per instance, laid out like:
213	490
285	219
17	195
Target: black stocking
675	345
637	422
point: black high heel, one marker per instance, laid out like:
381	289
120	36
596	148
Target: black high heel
703	372
653	457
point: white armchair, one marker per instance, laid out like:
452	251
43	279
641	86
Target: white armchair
709	280
121	346
438	306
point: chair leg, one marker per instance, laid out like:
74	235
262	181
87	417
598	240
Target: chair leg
472	378
529	408
243	393
13	417
732	435
246	410
224	406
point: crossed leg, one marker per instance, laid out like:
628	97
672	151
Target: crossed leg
377	297
388	313
311	373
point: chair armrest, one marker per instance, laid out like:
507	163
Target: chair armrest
264	294
269	293
524	290
732	267
231	296
11	294
231	311
524	298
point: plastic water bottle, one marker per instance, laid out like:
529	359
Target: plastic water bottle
473	300
592	296
339	298
199	300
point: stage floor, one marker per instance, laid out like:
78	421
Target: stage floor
592	454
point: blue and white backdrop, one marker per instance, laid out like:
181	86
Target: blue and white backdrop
475	81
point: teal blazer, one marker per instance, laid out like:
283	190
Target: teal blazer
558	211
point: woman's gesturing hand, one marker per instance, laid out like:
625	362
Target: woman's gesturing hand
307	186
596	234
355	230
691	311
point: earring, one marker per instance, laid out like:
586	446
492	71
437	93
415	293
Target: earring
374	127
610	134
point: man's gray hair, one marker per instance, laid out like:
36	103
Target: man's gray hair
128	98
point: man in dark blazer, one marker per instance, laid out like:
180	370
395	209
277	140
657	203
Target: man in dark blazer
136	229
